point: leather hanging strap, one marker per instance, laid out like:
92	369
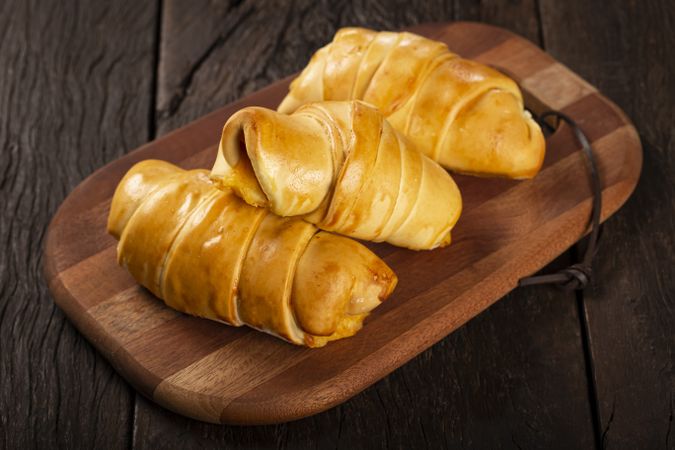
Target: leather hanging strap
578	275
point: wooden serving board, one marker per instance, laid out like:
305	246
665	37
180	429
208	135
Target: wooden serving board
508	230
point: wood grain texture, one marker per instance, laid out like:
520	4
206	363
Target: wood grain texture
629	310
209	372
74	94
444	397
214	53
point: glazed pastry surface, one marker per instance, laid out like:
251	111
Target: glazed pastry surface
207	253
342	167
465	115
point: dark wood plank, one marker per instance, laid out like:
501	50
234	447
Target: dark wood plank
519	16
513	376
75	90
626	51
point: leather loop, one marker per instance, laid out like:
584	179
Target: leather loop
577	276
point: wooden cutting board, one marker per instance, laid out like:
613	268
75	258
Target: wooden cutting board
508	230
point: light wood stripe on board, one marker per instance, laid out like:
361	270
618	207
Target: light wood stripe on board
224	375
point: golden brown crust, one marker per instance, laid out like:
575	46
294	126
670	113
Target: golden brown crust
207	253
343	167
211	250
135	186
267	276
351	280
430	95
153	227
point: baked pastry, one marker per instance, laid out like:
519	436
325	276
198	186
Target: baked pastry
463	114
341	166
207	253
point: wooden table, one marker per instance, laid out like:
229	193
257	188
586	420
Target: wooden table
81	84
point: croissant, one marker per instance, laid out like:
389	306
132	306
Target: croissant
341	166
463	114
207	253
